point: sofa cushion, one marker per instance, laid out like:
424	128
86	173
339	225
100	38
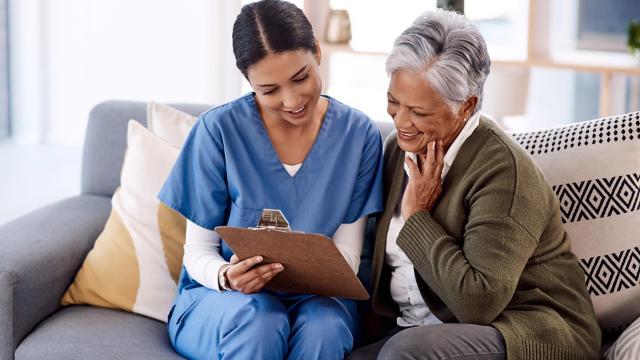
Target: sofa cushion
594	169
136	261
86	332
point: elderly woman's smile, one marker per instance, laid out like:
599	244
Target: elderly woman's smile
420	113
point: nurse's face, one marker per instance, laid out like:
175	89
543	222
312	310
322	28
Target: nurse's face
420	113
287	86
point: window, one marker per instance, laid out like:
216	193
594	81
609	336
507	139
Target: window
592	28
503	24
4	71
602	25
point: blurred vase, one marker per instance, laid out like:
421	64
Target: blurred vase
338	29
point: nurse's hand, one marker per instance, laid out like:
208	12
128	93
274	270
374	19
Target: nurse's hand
248	277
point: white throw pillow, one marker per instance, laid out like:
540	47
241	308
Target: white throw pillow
169	123
627	346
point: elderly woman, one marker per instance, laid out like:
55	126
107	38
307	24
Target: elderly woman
471	258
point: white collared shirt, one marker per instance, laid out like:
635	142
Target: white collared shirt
404	288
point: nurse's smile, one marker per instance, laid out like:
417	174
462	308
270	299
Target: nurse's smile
298	113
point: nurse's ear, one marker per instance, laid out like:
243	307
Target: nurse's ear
318	54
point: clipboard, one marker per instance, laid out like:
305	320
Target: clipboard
312	263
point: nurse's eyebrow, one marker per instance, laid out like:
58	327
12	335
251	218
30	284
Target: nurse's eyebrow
299	72
293	77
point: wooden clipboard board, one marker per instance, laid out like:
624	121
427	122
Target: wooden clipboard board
312	263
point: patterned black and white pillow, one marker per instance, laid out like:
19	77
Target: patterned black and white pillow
594	169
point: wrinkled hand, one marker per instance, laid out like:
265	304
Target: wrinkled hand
424	185
248	277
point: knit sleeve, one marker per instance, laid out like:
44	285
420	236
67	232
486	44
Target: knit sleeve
476	277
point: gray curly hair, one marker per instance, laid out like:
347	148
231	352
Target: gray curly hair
450	51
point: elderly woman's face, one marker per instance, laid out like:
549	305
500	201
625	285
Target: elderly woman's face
420	114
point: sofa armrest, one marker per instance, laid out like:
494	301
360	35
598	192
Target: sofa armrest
39	257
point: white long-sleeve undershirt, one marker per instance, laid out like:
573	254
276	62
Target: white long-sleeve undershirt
203	258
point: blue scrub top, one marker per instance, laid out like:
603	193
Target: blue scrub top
228	171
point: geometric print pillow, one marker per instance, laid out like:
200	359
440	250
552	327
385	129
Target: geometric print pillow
594	169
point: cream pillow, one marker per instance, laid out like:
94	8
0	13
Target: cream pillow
169	123
627	346
135	262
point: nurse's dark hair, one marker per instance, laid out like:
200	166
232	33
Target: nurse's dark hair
269	26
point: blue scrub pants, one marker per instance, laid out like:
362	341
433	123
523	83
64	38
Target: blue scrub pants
207	324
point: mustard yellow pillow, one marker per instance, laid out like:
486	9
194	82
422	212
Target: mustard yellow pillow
135	262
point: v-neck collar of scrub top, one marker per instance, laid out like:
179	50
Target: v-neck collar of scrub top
312	163
228	172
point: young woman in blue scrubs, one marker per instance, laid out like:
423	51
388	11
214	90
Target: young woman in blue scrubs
285	147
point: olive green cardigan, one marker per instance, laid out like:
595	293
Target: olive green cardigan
493	251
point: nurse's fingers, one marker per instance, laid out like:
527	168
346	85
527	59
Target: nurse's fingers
234	259
236	271
262	270
259	282
246	264
238	278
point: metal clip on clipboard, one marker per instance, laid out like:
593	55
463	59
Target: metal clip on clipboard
273	219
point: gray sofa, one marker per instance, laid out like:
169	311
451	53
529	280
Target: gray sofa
42	251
